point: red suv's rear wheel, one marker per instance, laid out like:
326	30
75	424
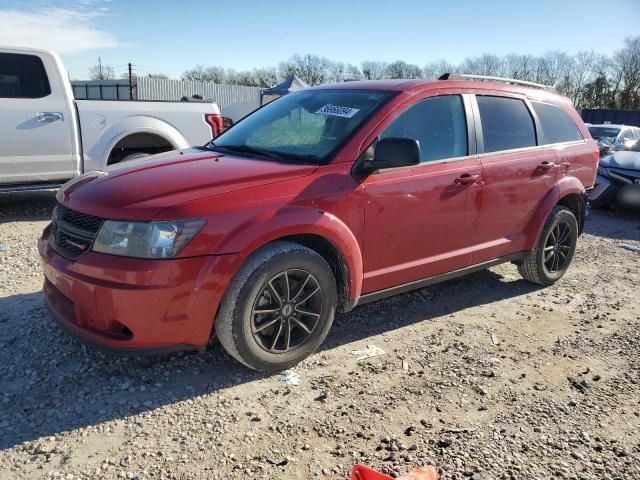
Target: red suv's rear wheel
551	258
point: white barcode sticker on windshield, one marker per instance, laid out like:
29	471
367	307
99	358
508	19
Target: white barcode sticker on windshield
338	111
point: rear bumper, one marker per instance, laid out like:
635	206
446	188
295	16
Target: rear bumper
135	306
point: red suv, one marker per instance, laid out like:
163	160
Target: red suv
320	201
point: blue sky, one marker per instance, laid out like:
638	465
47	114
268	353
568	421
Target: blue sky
171	36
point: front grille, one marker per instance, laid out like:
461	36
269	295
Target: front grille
72	233
80	220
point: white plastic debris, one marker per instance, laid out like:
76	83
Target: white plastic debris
290	377
631	248
370	351
3	247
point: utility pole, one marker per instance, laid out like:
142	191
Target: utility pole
100	69
130	82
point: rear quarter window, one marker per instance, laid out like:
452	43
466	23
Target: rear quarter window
506	123
557	126
22	76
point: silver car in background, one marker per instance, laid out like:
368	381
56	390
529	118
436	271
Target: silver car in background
611	137
618	179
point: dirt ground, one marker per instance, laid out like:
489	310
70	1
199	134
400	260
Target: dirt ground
485	377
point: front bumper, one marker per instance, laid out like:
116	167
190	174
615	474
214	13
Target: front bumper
133	306
601	189
617	190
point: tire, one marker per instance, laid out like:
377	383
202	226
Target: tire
133	156
561	222
260	286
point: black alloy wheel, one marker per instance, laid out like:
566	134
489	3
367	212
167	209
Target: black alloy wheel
557	247
286	311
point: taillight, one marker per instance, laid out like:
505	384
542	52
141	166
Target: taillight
215	122
596	154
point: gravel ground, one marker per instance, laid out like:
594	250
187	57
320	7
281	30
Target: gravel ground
485	377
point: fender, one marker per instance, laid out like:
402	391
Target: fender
97	157
299	220
565	186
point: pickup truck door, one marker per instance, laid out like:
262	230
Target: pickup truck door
37	136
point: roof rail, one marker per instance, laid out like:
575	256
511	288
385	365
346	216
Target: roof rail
486	78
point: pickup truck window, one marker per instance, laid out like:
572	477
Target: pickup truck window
302	127
22	76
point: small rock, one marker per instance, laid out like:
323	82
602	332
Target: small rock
445	442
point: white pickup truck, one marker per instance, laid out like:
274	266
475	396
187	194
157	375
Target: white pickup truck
47	137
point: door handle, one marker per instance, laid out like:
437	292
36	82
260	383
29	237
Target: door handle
546	165
48	117
466	179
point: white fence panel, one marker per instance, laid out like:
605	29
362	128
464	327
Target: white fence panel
235	101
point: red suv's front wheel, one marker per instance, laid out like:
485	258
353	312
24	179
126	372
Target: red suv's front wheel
278	308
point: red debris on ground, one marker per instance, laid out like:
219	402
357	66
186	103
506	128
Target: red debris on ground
360	472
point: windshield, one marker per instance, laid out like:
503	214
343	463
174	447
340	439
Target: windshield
303	127
603	132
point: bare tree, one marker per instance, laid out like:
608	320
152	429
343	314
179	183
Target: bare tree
372	70
597	94
584	71
265	77
402	69
101	72
552	67
312	69
342	72
521	67
589	79
125	76
242	77
337	71
352	72
201	73
626	69
485	64
433	70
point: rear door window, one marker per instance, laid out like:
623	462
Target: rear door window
22	76
557	126
439	125
506	123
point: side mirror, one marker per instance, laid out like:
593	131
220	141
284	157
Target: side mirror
394	152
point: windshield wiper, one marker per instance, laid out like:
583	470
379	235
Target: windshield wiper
246	149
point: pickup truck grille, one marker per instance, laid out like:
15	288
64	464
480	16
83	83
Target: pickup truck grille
72	233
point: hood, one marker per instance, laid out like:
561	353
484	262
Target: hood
139	189
624	159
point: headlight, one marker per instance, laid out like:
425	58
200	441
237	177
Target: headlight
603	171
146	240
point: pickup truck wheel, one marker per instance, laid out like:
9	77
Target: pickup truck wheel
133	156
550	259
278	308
